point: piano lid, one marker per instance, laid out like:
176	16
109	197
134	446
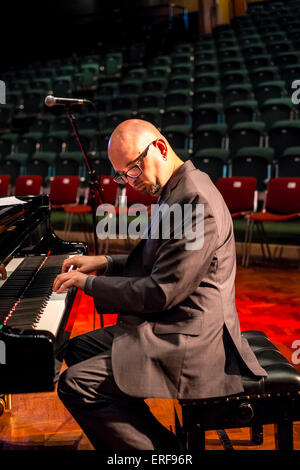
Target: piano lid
7	204
18	220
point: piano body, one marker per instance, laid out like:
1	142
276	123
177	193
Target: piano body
33	319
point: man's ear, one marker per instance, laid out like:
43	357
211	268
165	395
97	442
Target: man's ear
162	147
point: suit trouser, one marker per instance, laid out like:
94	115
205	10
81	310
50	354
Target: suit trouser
111	419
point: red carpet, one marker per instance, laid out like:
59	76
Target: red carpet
277	318
268	300
279	321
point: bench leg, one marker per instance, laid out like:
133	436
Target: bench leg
257	434
224	439
5	403
284	435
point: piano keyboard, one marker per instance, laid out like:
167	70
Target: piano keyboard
26	298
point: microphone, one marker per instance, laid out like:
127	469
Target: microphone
53	101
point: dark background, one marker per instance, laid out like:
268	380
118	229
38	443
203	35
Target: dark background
36	30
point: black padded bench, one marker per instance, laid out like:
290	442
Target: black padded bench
274	399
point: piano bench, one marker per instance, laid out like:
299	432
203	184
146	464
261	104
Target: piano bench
274	399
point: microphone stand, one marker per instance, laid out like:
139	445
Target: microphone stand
94	187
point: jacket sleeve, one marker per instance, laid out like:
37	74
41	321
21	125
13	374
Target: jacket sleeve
175	274
116	265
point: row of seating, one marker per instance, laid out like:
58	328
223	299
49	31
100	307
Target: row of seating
218	57
256	69
222	128
282	201
49	164
174	116
206	105
178	94
71	194
177	127
73	71
254	161
258	161
70	189
282	134
281	204
214	62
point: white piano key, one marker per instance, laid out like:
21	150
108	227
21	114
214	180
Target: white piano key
52	315
13	264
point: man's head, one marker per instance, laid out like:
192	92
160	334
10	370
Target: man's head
142	156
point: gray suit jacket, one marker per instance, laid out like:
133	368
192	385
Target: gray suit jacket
178	333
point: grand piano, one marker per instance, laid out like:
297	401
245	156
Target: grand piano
34	320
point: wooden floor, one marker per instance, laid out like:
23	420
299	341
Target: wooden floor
40	421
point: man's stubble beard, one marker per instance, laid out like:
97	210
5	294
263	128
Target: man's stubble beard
154	188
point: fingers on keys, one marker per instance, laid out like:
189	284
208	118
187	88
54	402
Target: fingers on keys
68	264
59	283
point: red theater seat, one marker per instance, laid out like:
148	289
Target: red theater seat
109	195
28	185
4	185
239	194
64	190
282	204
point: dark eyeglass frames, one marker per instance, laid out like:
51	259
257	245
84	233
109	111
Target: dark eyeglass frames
133	172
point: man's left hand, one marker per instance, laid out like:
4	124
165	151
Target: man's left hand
72	278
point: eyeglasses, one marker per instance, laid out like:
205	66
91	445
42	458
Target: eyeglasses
134	172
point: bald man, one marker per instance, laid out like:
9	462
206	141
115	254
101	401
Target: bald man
178	333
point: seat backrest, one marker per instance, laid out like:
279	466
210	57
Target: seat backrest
64	189
51	143
207	114
245	136
238	192
28	185
283	196
121	102
27	145
177	99
32	100
240	111
206	95
209	136
148	101
284	134
174	117
5	147
109	188
4	185
178	139
6	112
274	110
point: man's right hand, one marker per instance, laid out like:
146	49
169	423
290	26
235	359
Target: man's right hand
85	264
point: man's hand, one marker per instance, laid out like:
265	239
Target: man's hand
73	278
84	264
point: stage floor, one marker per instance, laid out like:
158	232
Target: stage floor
267	300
